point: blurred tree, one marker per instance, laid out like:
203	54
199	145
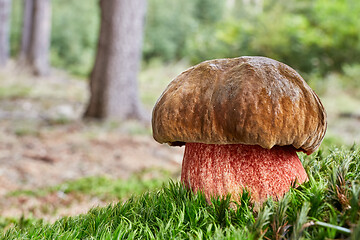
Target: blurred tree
35	42
113	81
5	9
315	36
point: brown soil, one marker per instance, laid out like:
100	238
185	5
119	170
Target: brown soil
43	142
65	153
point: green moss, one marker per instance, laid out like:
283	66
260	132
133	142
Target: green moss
14	91
326	207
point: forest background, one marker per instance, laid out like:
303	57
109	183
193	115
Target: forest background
315	37
318	38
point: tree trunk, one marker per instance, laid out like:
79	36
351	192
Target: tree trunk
26	29
113	81
5	9
35	42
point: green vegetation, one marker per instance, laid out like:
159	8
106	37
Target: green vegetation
326	207
312	36
103	187
14	91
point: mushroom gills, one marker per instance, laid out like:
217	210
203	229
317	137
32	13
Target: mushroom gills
221	169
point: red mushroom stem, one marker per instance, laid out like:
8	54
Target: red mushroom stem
221	169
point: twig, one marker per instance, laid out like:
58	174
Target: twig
43	158
350	115
328	225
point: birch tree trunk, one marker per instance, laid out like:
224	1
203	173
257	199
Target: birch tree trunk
113	81
5	9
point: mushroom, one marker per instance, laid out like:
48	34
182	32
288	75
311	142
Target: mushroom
242	120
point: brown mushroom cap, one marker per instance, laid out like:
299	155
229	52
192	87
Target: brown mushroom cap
245	100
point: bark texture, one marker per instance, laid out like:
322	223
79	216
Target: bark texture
221	169
35	42
5	9
113	81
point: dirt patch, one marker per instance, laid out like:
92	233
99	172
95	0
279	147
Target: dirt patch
60	155
44	142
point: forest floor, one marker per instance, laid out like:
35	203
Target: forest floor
44	141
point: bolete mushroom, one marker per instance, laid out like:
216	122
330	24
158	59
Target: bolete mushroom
242	120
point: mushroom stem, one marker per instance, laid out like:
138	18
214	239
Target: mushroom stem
221	169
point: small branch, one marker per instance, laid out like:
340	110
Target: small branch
350	115
328	225
43	158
